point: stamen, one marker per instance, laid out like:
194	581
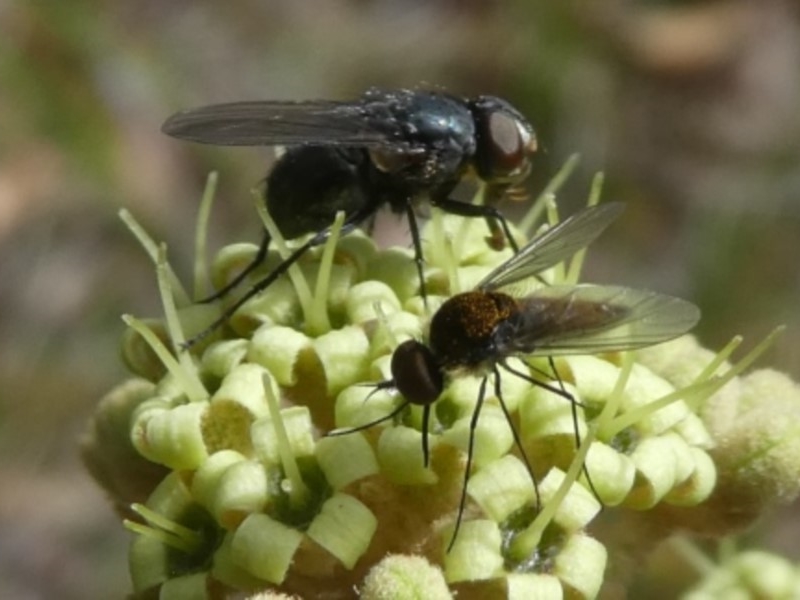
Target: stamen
201	283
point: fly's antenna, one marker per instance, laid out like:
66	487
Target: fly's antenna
383	385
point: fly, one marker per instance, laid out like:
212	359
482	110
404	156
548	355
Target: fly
478	331
389	147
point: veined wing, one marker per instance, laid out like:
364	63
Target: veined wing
270	123
554	245
588	319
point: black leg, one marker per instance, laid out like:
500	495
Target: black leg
574	407
470	447
553	374
419	259
318	239
550	388
257	260
366	426
258	287
426	417
517	439
490	213
561	391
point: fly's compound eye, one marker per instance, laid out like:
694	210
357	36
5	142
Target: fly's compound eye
505	141
416	374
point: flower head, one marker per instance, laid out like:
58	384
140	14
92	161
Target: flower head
251	494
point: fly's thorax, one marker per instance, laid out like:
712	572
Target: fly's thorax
435	143
439	121
463	331
416	373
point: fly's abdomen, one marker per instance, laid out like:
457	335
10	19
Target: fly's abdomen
320	180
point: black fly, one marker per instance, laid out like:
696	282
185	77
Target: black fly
390	148
477	331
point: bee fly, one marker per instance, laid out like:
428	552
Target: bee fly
389	147
477	331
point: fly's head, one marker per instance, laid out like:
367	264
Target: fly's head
416	373
505	142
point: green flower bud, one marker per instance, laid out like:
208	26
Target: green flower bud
661	463
756	425
400	456
679	361
344	527
363	298
221	357
534	586
186	587
643	388
229	572
502	487
139	356
178	540
475	553
171	436
577	509
750	574
491	441
265	547
279	307
357	405
358	250
278	349
613	473
232	258
344	356
392	330
344	459
699	485
580	566
240	490
109	454
340	281
395	268
297	422
206	479
241	389
401	577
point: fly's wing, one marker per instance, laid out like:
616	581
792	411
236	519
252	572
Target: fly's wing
589	319
268	123
553	246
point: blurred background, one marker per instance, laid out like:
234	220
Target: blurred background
691	108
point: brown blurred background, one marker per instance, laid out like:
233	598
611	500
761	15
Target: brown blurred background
691	108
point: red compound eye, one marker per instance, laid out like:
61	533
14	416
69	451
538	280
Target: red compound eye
505	141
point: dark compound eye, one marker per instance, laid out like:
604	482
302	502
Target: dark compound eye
416	373
505	141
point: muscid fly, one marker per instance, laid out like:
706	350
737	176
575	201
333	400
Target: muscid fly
389	147
477	331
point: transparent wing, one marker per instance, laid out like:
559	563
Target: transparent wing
268	123
592	318
554	245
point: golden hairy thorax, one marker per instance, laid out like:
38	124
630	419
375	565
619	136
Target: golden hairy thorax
462	329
